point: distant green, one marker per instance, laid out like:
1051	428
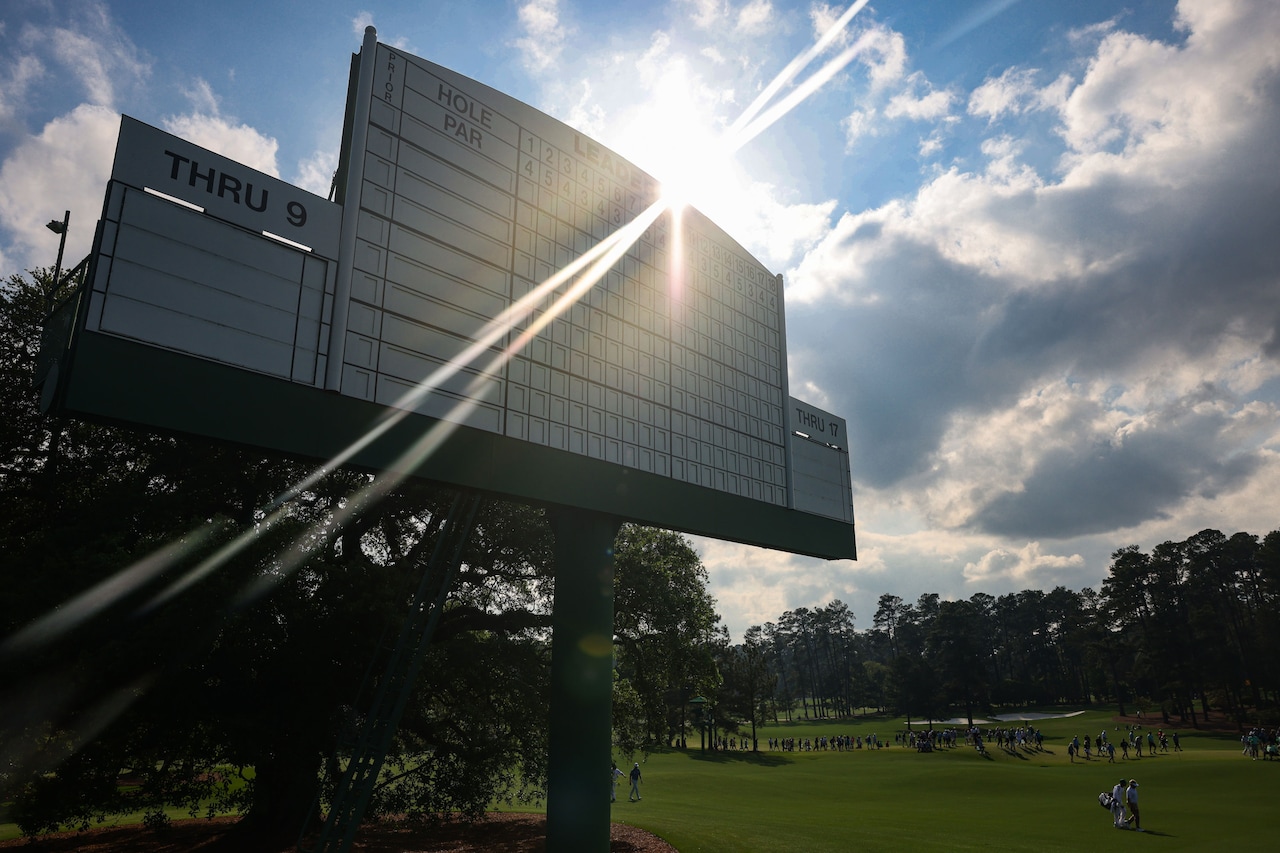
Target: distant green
1207	797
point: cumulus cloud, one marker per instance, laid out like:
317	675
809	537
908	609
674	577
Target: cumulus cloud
315	173
884	55
544	34
757	586
360	22
65	167
1026	567
63	163
1011	92
930	104
755	17
1021	348
856	125
99	55
208	128
706	13
20	77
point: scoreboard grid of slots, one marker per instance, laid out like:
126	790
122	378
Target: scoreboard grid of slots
472	199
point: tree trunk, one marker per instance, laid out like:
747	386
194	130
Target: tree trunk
284	788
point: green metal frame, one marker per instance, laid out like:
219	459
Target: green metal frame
119	380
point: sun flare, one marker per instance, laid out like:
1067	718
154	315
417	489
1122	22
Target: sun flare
675	139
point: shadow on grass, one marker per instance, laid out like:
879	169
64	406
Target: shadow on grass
762	759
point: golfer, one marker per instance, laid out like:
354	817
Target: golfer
635	784
1132	796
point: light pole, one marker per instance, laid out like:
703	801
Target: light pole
61	229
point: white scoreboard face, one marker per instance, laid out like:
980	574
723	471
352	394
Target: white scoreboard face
673	363
658	393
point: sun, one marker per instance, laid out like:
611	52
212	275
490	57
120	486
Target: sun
675	138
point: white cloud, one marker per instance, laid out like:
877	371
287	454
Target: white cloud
1067	356
238	141
933	104
63	168
856	125
100	57
1027	567
902	96
585	113
752	586
90	55
315	174
884	56
755	17
202	97
1011	92
823	17
776	231
23	74
208	129
65	164
930	145
706	13
544	34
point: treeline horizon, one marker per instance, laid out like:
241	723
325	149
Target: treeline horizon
159	625
1187	631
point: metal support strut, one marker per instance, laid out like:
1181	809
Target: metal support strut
580	736
361	776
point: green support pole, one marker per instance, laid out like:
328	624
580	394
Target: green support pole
581	727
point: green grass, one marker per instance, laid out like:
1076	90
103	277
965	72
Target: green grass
10	830
1207	797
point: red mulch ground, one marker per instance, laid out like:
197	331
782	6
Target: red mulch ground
499	833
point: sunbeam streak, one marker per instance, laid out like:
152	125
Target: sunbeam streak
601	260
793	67
820	78
587	269
686	176
83	607
489	334
570	283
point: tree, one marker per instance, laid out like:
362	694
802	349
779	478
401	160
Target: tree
664	624
780	659
217	626
913	688
748	682
891	613
955	647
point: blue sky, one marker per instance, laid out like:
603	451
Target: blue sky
1029	247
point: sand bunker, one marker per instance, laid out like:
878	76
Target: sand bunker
1023	717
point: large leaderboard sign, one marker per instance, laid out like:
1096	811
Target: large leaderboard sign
225	302
471	199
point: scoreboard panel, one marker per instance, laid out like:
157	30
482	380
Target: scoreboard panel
469	201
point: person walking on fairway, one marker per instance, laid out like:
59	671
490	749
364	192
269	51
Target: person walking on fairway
1117	806
614	775
1132	796
634	796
